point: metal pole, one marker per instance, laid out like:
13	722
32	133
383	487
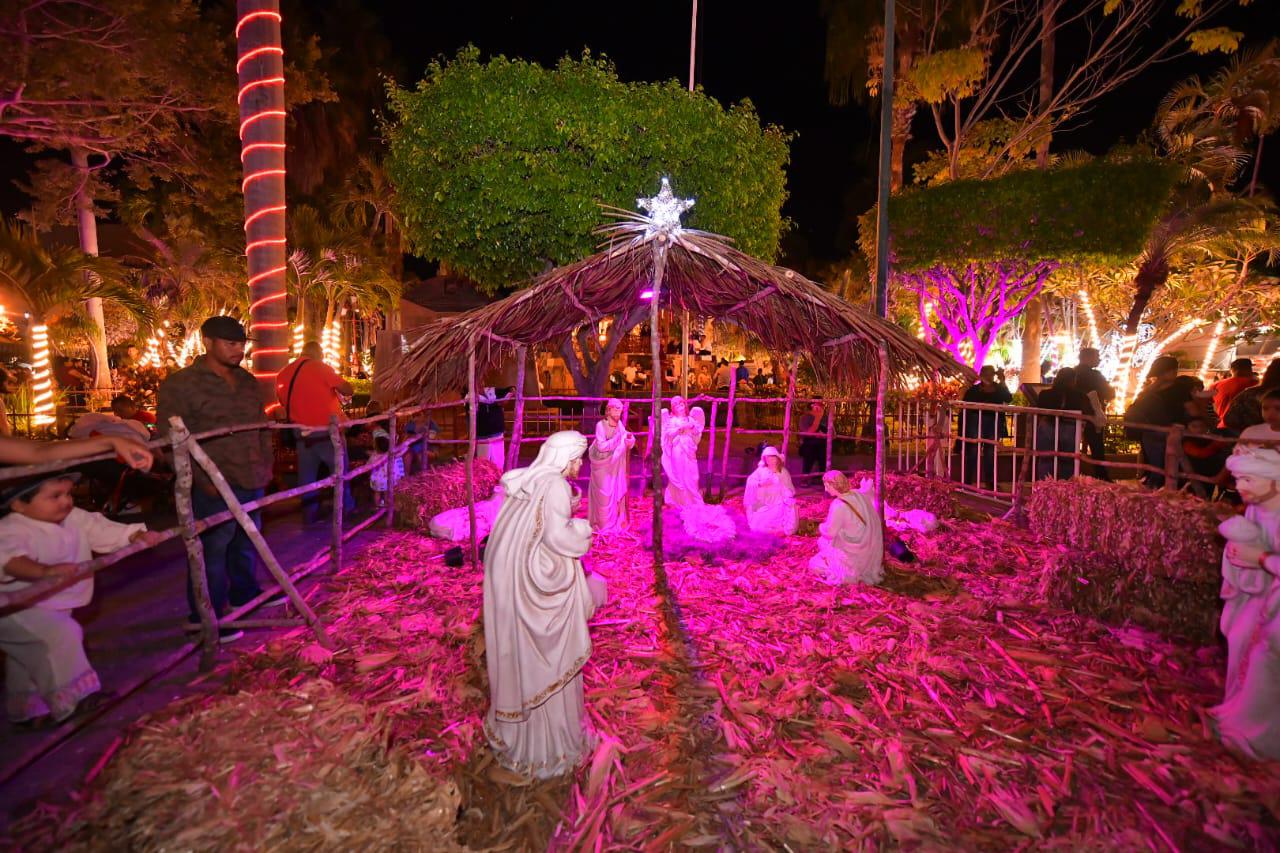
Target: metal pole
684	347
693	43
886	149
728	441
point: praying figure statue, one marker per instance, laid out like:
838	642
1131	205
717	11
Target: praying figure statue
851	543
537	601
1246	720
770	499
607	497
681	431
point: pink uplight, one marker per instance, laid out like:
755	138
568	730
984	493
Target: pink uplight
646	294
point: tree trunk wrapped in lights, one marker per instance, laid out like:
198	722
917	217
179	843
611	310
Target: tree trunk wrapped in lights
260	68
964	310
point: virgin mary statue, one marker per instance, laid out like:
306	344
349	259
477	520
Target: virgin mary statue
536	605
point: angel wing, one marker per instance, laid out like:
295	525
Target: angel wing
699	419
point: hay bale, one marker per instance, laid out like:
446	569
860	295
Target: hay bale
427	494
1093	585
911	491
1159	534
303	769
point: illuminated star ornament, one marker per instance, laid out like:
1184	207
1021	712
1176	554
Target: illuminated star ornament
664	211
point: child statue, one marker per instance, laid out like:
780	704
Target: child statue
1247	720
770	499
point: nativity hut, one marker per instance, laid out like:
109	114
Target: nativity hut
648	262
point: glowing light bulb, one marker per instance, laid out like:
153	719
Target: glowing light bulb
42	379
1211	351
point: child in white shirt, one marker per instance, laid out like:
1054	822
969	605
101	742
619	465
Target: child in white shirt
45	536
1269	429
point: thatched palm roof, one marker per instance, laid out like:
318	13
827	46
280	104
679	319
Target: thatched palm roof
703	273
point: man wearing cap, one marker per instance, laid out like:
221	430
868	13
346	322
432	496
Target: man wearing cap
310	393
215	392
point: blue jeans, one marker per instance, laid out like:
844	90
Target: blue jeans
229	557
312	453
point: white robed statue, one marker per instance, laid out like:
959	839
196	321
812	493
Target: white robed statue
681	431
607	496
536	605
851	543
1247	720
770	499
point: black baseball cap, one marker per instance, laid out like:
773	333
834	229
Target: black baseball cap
223	328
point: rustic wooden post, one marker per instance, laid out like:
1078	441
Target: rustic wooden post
473	412
388	520
1172	451
655	423
1079	438
517	428
684	364
831	432
339	491
260	545
711	451
881	393
728	438
791	396
178	436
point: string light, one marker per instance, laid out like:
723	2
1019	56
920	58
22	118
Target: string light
1127	346
1156	351
1211	351
42	379
298	332
330	340
259	67
1085	303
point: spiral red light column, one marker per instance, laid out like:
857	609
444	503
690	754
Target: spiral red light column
260	68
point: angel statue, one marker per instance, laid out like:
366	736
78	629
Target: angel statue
681	431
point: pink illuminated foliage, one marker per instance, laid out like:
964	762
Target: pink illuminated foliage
972	305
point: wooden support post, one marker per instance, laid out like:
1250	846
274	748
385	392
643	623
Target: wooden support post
1172	452
473	400
684	361
178	436
392	454
711	451
831	432
791	397
1079	439
260	545
655	421
517	428
728	438
339	491
882	388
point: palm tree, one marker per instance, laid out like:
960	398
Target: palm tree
1219	119
369	201
55	283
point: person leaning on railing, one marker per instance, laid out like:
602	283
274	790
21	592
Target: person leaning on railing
22	451
1163	403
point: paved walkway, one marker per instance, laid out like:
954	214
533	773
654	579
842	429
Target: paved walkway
134	623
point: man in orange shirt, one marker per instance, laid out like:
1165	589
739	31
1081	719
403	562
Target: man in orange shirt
310	392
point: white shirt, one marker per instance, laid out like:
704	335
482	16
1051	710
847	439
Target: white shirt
1261	432
75	540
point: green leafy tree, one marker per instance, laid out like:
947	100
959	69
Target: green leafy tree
501	168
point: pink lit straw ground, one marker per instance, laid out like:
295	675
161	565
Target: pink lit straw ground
749	706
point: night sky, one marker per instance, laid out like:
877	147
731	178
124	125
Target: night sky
771	53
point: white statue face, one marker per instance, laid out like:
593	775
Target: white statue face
679	407
830	490
1257	490
613	414
572	469
773	463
